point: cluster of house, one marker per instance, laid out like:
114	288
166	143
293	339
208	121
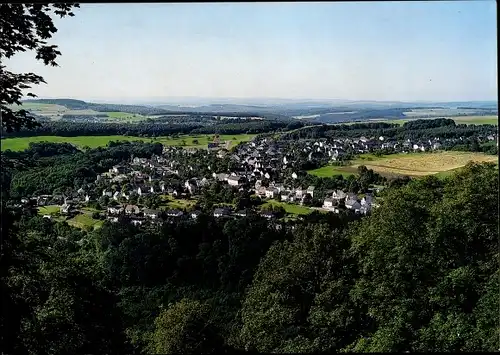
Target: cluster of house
255	161
351	201
336	148
252	163
139	216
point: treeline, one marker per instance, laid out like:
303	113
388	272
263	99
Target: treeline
72	129
256	126
425	124
83	117
417	130
421	274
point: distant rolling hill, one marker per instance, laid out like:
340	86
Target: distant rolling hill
57	108
305	110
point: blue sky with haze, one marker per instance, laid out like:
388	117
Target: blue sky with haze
360	51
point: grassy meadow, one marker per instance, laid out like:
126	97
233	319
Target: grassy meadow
49	210
412	164
194	141
171	203
330	170
84	220
289	207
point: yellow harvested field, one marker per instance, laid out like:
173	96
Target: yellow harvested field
420	164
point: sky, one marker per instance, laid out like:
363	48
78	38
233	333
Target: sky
388	51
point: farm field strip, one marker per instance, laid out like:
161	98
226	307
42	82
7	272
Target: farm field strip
425	163
194	141
415	164
476	120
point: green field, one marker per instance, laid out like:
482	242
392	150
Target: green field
289	207
330	170
34	106
50	210
476	120
412	164
55	112
22	143
84	221
52	111
181	204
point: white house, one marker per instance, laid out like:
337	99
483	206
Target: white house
267	214
287	196
151	213
310	191
261	191
115	210
65	208
279	187
190	186
220	212
271	192
352	204
235	180
132	209
299	193
328	203
175	213
436	146
195	214
339	195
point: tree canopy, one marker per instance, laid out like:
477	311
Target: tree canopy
26	27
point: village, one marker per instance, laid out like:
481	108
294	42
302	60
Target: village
267	168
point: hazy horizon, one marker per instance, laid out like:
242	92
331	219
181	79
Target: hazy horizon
242	101
397	51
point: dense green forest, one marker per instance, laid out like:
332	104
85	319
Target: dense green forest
72	129
420	274
418	129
